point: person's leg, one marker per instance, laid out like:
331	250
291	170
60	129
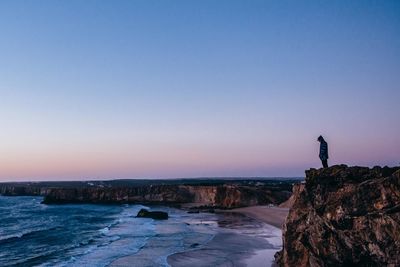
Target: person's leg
325	163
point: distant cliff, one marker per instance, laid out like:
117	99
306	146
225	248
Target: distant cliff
224	193
225	196
23	190
344	216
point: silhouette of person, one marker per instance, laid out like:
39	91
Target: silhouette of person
323	151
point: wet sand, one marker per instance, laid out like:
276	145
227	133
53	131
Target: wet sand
225	249
257	239
270	215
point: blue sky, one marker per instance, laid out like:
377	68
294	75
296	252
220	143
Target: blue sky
137	89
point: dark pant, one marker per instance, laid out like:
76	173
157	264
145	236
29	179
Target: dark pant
325	163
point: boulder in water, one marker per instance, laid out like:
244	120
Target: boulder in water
156	215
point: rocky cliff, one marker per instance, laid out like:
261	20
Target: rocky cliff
23	190
224	196
344	216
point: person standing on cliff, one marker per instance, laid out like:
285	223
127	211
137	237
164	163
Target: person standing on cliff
323	151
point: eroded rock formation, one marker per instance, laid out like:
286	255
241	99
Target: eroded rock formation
344	216
222	196
156	215
23	190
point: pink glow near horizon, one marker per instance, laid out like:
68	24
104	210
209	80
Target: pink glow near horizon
177	160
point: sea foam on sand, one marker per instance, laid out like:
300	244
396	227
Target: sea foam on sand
225	239
238	241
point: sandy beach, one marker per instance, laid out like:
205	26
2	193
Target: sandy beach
241	248
270	215
253	242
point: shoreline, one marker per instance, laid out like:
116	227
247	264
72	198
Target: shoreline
241	237
274	216
239	249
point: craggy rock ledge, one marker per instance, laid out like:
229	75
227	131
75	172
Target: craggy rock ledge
344	216
219	196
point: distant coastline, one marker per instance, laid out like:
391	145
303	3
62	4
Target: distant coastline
203	192
227	197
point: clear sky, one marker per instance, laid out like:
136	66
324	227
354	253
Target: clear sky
150	89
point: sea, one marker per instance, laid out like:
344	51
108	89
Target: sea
35	234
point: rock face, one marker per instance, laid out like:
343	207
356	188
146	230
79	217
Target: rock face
157	194
12	190
156	215
223	196
344	216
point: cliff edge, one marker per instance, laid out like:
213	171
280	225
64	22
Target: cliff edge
221	196
344	216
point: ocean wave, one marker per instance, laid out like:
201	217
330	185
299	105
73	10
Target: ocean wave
21	235
105	230
80	235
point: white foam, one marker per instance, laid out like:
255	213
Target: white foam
105	230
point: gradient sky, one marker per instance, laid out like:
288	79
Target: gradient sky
150	89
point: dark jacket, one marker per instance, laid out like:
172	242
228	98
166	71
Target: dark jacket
323	150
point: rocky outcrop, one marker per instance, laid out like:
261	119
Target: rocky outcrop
344	216
156	215
296	192
23	190
157	194
222	196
